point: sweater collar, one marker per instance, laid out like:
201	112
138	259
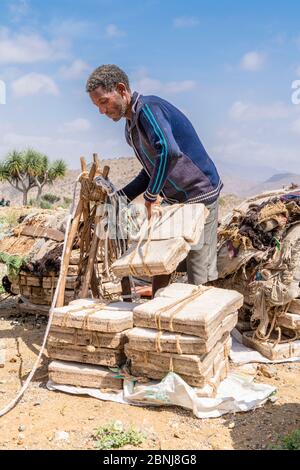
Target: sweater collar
133	104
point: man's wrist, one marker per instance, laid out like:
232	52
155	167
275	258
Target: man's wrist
150	197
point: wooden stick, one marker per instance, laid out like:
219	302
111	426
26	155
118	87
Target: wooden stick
83	165
94	248
69	244
97	163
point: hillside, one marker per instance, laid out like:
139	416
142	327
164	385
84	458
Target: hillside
123	170
277	181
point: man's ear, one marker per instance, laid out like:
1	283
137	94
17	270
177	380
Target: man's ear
121	88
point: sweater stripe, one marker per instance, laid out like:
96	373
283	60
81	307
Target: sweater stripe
164	153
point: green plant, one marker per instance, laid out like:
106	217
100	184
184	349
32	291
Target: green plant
45	205
113	436
67	200
30	169
50	198
10	217
289	442
33	203
222	201
14	264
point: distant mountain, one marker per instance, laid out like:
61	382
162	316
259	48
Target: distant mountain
123	170
277	181
283	176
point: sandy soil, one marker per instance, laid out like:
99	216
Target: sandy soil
33	423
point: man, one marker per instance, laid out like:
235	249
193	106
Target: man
175	164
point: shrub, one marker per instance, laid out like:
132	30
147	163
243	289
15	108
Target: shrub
52	198
113	436
45	205
289	442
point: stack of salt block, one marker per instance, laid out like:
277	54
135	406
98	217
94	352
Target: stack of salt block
184	329
87	337
289	324
38	291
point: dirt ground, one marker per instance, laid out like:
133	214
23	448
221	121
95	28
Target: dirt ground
34	422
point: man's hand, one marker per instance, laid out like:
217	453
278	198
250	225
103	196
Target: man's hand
149	206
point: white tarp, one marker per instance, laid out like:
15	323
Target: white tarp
236	393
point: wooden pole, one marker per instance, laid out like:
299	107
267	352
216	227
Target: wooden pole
94	248
69	244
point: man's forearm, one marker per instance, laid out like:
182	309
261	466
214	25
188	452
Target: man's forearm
136	186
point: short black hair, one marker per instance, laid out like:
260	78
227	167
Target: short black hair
108	77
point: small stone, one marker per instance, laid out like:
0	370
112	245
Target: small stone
267	371
231	425
13	359
22	428
21	438
178	435
90	348
90	418
37	403
61	436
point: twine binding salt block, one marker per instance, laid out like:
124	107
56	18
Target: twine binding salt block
211	387
270	349
86	354
95	316
81	375
200	380
193	365
198	314
80	337
176	221
294	306
151	258
146	339
289	320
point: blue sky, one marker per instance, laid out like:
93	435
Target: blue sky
227	64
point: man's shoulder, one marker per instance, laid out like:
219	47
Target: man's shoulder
153	100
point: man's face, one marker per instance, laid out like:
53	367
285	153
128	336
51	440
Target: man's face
111	103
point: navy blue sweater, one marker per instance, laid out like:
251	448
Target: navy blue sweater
175	163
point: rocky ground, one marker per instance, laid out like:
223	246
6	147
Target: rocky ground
55	420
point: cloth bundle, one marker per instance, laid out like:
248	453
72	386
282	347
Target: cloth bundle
259	255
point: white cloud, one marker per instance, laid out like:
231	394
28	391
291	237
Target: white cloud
185	22
242	111
148	85
75	70
179	87
18	9
112	31
69	27
77	125
252	61
22	48
58	147
34	84
249	151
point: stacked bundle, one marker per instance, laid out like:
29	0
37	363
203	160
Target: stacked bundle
88	332
259	255
38	287
185	329
164	241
